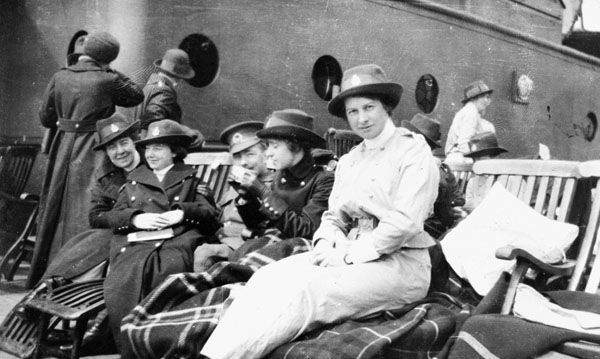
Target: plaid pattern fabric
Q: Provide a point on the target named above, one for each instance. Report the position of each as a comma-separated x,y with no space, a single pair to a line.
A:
177,318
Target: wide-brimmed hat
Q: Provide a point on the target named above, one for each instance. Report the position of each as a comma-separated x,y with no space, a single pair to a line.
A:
241,135
113,128
426,126
102,47
166,131
475,89
176,62
365,80
484,144
294,124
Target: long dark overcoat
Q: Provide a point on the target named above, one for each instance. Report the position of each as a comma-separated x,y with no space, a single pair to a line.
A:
77,96
136,268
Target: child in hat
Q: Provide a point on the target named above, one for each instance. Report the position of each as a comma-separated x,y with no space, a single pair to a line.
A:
157,196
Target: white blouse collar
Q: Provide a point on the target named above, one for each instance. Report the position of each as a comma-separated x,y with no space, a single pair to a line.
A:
386,134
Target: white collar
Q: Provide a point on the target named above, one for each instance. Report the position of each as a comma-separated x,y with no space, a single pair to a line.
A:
161,173
386,134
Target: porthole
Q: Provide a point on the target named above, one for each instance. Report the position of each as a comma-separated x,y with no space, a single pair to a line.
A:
204,59
589,126
75,48
426,93
327,77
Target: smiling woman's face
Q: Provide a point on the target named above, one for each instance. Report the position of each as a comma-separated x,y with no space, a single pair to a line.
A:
158,156
367,117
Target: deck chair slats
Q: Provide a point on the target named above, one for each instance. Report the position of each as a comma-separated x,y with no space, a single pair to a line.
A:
513,184
542,190
503,179
213,169
554,197
591,237
568,194
341,141
527,191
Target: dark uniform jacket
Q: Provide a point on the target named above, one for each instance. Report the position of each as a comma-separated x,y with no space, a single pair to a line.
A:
136,268
299,194
92,247
449,196
160,101
77,96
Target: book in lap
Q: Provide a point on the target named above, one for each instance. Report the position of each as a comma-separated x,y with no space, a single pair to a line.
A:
143,236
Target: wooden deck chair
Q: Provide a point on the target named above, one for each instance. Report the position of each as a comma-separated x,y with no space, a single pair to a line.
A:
584,273
17,210
462,172
341,142
78,302
549,187
213,169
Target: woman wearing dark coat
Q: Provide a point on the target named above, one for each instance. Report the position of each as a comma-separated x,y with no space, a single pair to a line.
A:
160,196
75,99
292,206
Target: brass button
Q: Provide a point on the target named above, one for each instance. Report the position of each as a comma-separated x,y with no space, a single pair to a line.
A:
176,198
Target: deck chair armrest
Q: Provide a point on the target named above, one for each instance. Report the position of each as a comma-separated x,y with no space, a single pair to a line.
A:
521,255
579,349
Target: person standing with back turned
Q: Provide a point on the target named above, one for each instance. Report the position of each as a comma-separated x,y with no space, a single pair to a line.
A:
75,99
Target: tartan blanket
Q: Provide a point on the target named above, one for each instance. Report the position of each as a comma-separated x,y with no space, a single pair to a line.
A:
177,318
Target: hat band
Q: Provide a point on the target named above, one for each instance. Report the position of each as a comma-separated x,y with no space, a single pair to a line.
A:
360,80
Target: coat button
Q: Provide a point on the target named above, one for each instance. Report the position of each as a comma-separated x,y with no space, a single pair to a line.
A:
176,198
132,198
302,184
283,180
57,123
133,183
76,125
157,244
122,249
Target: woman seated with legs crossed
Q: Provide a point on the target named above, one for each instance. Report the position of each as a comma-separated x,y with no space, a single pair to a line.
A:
370,250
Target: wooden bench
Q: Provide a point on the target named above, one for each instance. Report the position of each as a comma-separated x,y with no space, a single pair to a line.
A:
78,302
341,142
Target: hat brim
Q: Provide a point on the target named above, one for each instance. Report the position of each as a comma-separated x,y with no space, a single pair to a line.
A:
293,132
432,143
243,145
230,129
472,97
117,135
486,152
181,140
390,90
188,75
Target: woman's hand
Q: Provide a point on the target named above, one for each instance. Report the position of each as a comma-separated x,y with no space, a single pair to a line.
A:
173,217
325,255
150,221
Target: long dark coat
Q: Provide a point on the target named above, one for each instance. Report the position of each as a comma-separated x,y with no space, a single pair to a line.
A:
303,193
160,101
136,268
82,93
90,248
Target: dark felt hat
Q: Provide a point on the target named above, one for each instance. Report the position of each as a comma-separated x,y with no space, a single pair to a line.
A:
176,62
484,144
293,124
113,128
102,47
428,127
166,131
475,89
241,135
365,80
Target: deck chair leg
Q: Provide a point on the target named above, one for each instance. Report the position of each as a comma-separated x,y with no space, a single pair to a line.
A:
78,332
42,333
4,264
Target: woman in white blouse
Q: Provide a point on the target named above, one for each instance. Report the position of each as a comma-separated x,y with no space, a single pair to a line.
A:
369,251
